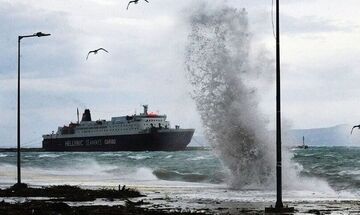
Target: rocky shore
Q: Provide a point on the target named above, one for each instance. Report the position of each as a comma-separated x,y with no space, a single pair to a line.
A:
65,199
74,200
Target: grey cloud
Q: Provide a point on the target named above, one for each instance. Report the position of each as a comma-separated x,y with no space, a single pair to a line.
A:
44,57
310,25
144,64
261,24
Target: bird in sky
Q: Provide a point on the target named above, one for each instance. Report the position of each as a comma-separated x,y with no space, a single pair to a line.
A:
96,51
355,126
134,1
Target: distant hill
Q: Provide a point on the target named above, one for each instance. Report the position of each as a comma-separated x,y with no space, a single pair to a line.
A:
338,135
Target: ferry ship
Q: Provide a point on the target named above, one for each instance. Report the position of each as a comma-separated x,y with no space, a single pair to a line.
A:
138,132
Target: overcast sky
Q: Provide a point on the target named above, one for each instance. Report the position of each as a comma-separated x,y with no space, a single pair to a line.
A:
320,56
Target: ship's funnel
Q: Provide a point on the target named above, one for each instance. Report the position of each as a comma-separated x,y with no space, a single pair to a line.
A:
86,116
145,109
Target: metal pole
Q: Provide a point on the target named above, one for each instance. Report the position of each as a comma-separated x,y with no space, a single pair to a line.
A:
279,207
279,203
18,117
19,185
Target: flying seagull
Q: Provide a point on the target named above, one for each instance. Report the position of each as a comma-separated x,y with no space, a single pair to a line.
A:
355,126
95,52
134,1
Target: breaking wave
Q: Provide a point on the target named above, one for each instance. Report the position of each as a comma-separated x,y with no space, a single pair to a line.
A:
222,72
49,155
177,176
138,157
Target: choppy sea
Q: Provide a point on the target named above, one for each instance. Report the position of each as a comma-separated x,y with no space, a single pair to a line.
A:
338,167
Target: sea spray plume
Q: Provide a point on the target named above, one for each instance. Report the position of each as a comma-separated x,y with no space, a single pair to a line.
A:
217,61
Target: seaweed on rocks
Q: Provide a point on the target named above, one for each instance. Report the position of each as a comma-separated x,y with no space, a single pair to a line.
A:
71,193
37,207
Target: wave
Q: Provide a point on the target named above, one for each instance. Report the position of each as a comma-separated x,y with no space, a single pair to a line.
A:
227,76
143,173
169,175
349,172
342,172
3,155
111,155
87,172
198,158
49,156
138,157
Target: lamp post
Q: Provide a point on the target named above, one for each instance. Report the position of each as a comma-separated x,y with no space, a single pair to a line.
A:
279,207
19,184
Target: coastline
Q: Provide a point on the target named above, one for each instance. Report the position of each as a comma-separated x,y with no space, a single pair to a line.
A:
180,187
175,200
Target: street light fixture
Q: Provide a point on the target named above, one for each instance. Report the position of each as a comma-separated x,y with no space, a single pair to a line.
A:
20,185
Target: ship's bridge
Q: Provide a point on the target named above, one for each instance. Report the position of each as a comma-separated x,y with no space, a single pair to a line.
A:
119,119
118,125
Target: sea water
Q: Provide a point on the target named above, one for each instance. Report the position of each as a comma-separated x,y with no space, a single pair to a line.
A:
339,167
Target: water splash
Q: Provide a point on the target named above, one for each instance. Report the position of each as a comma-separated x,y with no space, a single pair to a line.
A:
224,74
